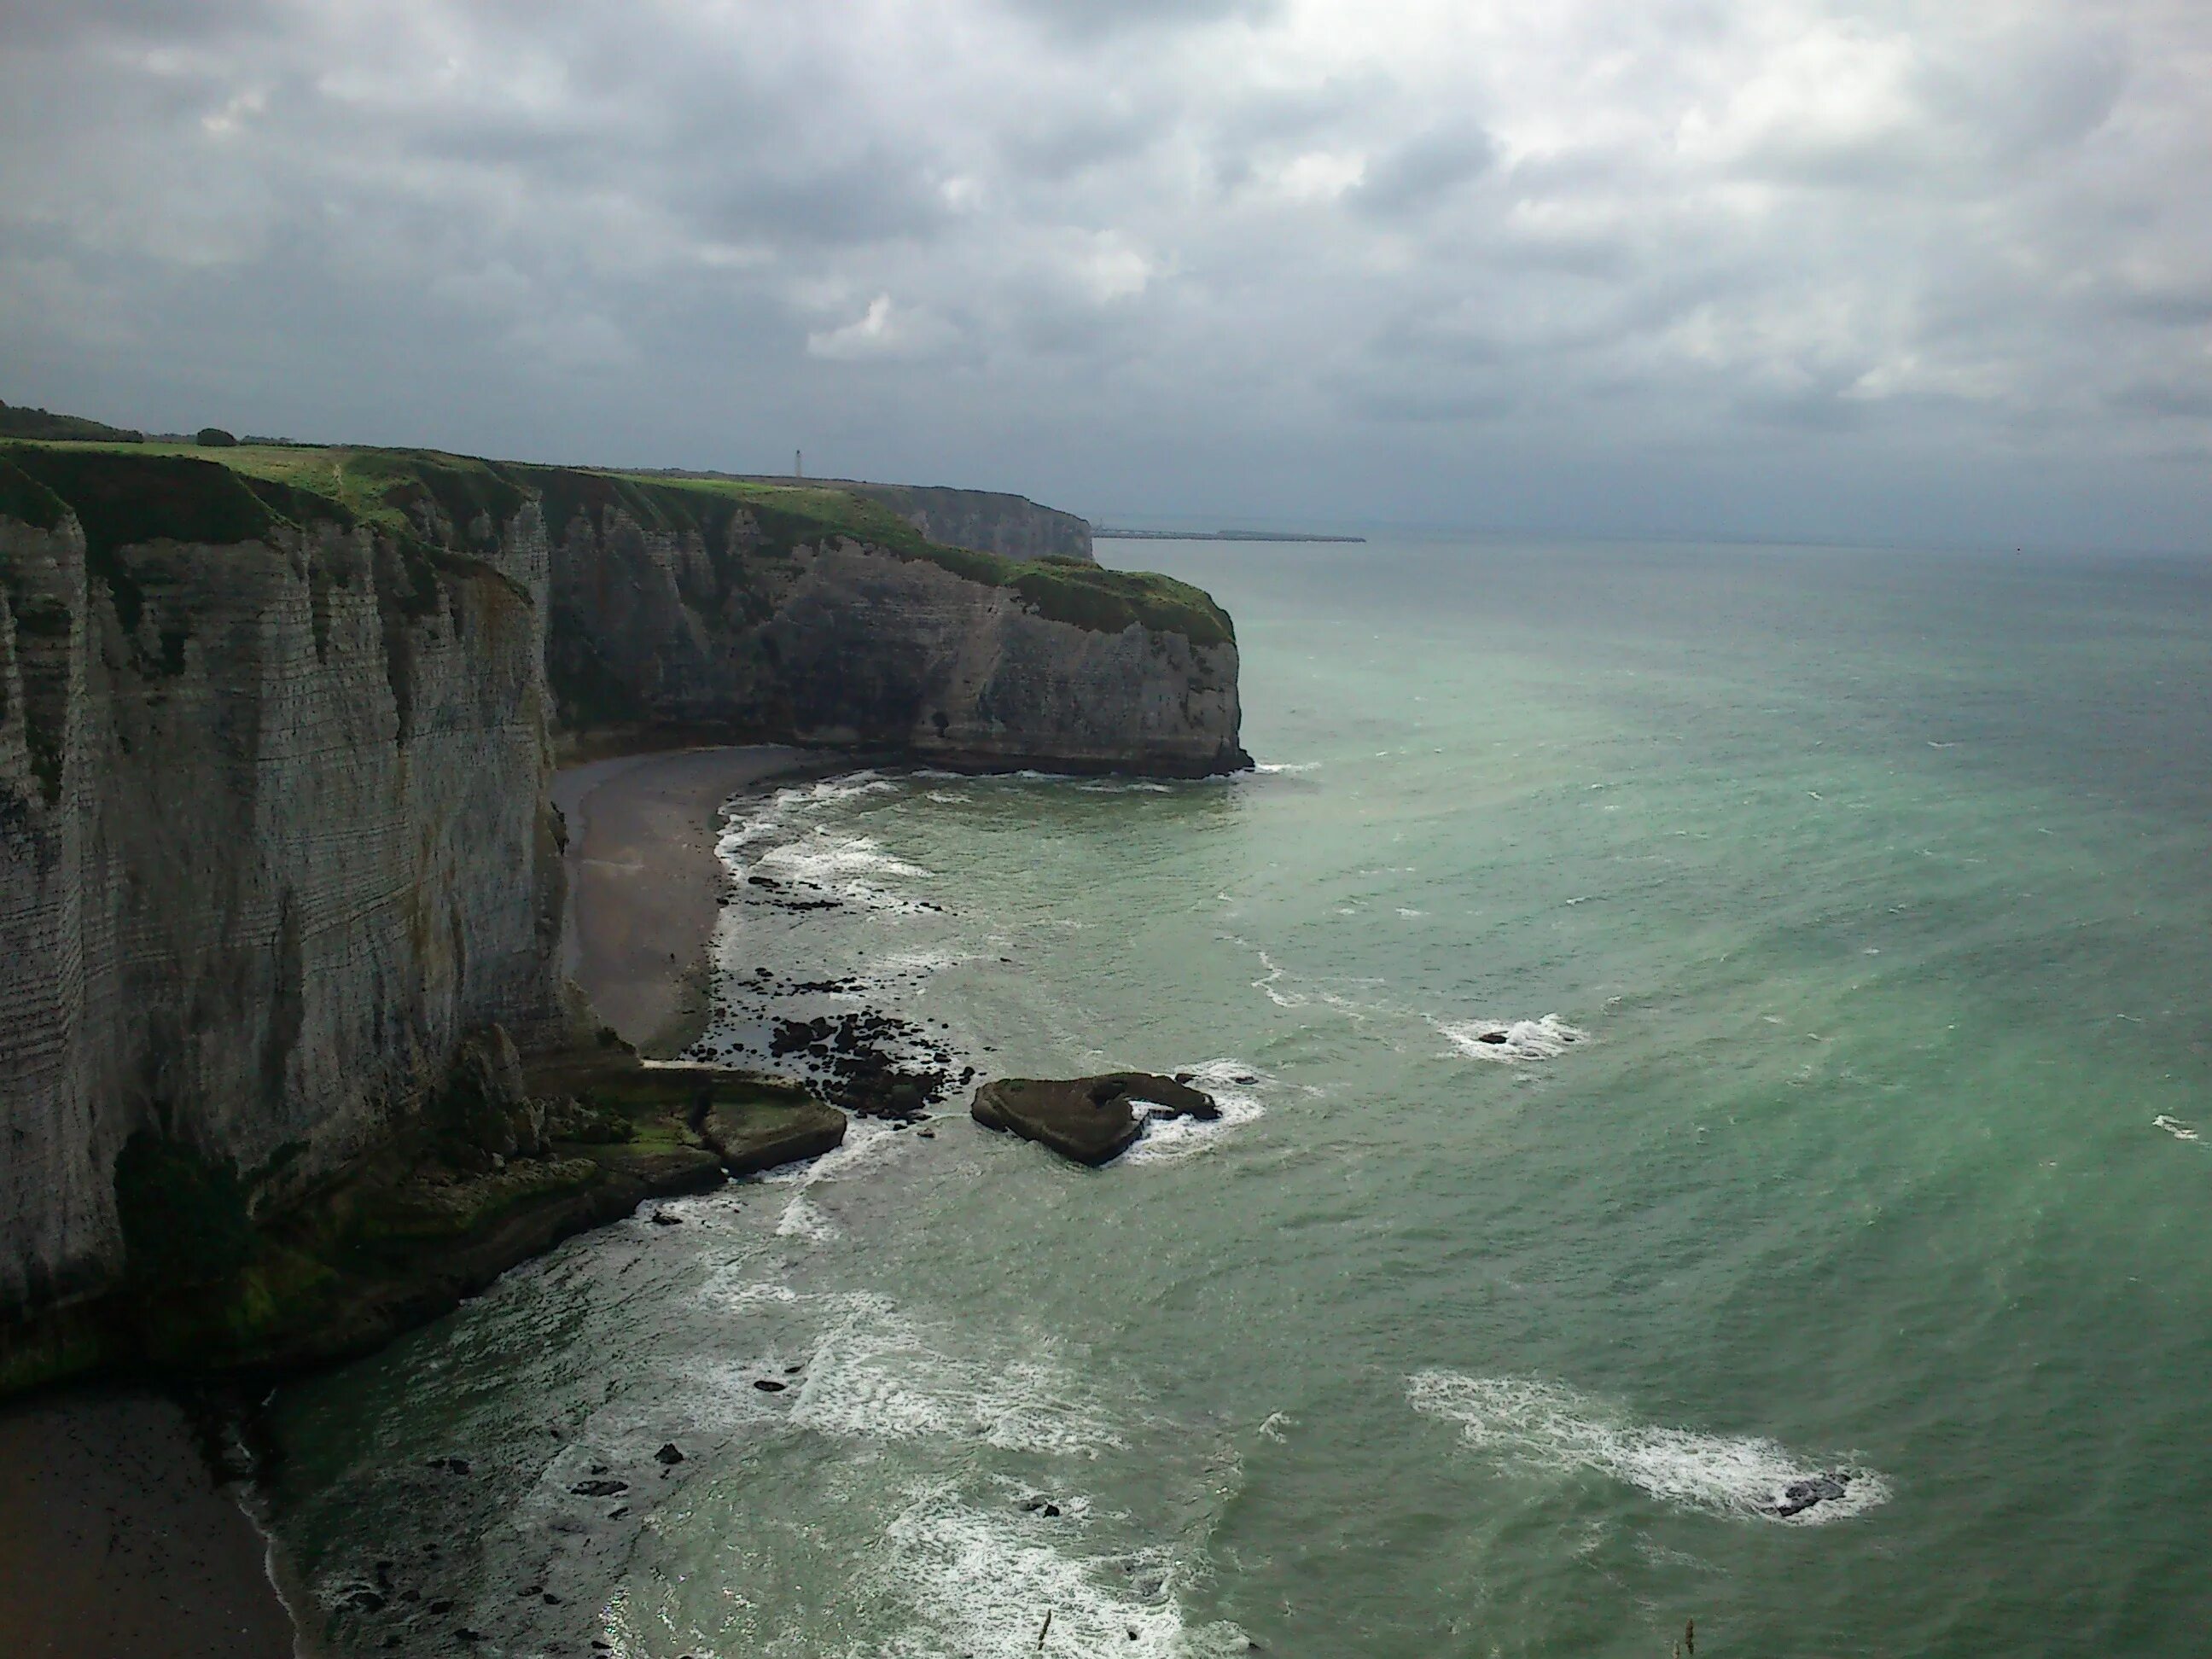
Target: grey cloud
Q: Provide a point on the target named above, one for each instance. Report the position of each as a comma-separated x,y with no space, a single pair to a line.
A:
44,23
2164,399
1091,18
1418,175
1126,253
1070,142
866,198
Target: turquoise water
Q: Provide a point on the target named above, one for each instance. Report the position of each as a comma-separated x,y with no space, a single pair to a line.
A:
1846,915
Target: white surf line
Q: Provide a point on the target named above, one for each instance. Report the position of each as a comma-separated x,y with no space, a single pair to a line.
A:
1547,1425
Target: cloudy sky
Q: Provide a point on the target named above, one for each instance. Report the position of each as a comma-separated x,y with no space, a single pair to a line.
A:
1924,271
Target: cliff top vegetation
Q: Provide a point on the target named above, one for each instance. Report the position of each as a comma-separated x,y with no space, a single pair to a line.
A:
126,491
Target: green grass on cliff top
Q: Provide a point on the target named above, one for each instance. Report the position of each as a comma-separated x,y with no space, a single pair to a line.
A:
138,491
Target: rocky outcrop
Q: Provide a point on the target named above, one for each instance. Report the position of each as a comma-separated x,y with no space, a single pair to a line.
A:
273,836
1090,1119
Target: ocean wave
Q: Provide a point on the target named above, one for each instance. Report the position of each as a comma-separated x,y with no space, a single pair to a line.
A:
980,1581
1276,768
1169,1139
824,859
1548,1426
2176,1127
866,1142
1512,1041
874,1375
801,1220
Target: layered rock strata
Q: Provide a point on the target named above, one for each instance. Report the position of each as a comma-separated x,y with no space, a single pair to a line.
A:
273,836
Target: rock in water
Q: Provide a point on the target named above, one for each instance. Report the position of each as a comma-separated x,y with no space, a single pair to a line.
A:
1091,1120
1800,1495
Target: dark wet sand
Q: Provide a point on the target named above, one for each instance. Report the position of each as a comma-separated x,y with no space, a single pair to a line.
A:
643,881
116,1543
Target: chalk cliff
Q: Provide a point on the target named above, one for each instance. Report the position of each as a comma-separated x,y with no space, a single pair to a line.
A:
743,619
1011,526
275,738
273,835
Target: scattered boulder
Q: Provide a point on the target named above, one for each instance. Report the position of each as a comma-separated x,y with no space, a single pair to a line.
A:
596,1489
769,1385
1091,1120
667,1455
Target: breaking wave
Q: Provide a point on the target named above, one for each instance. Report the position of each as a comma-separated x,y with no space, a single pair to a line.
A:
992,1584
1545,1426
1231,1082
1512,1041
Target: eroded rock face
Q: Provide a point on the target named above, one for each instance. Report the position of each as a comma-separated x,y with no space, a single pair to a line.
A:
273,835
845,644
1091,1120
1012,525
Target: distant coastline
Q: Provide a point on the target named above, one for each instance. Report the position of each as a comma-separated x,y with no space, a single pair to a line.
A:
1103,533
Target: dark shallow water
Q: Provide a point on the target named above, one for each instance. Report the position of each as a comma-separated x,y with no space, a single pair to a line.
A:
1847,915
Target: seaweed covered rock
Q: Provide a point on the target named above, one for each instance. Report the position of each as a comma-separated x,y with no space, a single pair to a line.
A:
1091,1120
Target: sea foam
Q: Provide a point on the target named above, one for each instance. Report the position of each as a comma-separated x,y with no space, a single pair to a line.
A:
1231,1082
1545,1426
980,1582
1512,1041
874,1373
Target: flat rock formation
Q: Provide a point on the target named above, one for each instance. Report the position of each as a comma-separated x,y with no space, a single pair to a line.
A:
756,1122
1091,1120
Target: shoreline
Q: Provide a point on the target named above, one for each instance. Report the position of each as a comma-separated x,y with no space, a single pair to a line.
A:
121,1536
645,885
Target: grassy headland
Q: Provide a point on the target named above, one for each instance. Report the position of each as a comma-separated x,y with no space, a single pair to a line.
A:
126,492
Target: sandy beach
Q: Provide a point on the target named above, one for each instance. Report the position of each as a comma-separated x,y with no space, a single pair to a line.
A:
117,1543
643,881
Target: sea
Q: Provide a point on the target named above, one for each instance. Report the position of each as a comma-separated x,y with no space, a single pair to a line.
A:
1715,1053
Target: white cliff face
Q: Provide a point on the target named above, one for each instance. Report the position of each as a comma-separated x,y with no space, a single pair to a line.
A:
875,648
848,644
267,848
